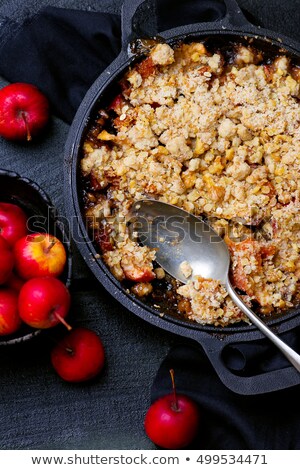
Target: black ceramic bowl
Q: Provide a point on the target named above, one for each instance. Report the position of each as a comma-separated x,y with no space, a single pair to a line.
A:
42,217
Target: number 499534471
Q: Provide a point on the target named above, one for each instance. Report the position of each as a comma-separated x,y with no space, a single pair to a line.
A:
223,459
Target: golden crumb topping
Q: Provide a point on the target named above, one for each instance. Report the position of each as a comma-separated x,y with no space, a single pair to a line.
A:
218,139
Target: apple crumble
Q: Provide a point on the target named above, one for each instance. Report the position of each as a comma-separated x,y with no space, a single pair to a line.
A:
219,136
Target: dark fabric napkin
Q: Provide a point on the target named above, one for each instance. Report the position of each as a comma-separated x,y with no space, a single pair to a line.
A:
63,52
60,51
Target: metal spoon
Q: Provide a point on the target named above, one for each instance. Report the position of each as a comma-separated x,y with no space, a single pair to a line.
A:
180,236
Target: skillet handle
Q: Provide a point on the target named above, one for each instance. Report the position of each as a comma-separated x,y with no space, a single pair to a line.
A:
266,382
129,9
233,18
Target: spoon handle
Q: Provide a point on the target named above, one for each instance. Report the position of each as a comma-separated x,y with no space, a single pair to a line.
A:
289,353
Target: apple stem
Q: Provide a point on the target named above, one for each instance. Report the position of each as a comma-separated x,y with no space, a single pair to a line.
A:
27,126
69,350
63,321
52,243
176,407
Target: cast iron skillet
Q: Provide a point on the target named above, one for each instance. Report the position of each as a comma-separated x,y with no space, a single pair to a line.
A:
233,26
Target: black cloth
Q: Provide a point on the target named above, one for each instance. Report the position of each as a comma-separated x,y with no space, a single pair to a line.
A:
60,51
63,52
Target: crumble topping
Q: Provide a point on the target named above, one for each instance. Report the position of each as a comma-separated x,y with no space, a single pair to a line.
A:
218,139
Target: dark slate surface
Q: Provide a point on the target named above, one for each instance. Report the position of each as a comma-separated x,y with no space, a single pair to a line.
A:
38,410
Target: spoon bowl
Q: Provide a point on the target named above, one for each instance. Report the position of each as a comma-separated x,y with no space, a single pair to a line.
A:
181,237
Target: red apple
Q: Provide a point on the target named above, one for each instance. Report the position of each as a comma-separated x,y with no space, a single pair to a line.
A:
24,111
39,255
10,320
44,302
6,260
13,222
79,356
172,421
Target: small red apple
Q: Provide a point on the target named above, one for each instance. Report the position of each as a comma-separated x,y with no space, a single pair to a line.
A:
6,260
172,421
79,356
39,255
24,111
10,320
44,302
13,222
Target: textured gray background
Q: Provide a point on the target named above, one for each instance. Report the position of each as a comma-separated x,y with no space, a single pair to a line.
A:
38,410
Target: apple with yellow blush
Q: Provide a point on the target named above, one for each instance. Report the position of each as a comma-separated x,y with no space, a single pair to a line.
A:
39,255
